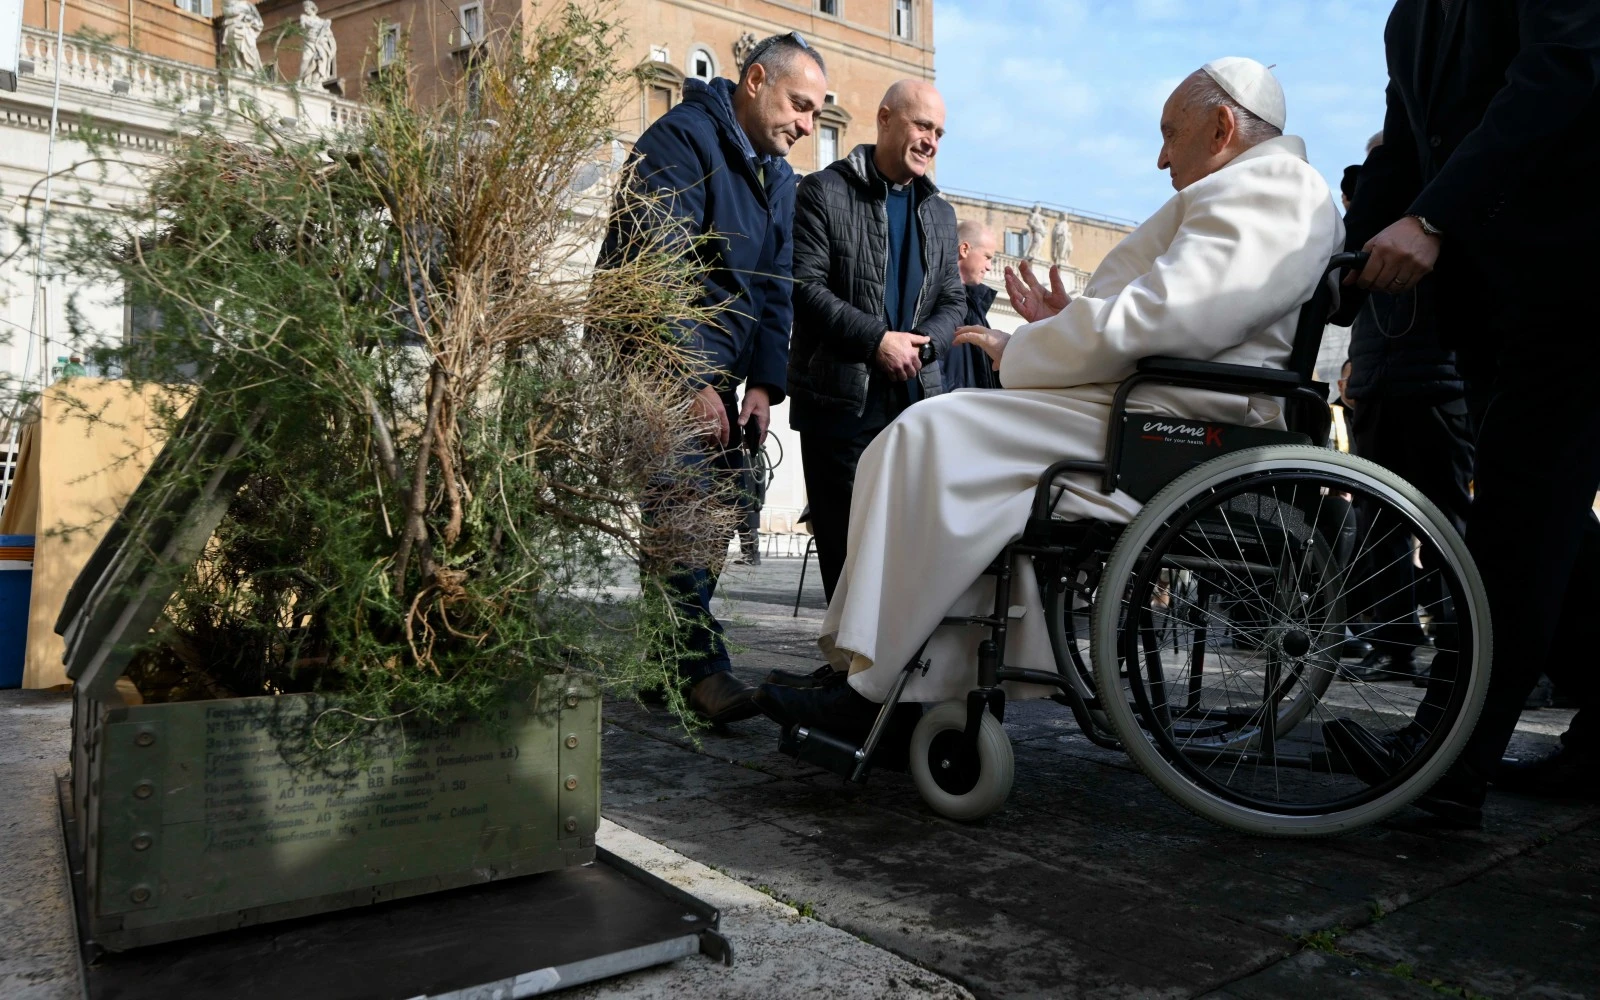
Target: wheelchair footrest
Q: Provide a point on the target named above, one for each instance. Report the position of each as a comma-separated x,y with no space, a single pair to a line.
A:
822,749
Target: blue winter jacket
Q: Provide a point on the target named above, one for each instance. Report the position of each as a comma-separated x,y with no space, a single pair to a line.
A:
695,160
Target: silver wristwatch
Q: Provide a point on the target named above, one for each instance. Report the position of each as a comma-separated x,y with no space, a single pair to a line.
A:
1427,227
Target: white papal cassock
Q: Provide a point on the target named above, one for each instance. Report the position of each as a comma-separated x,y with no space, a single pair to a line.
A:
1219,273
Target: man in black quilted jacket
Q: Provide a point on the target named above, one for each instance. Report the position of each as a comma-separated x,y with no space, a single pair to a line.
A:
877,300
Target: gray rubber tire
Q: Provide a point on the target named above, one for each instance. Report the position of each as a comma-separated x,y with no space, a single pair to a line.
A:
1123,563
996,766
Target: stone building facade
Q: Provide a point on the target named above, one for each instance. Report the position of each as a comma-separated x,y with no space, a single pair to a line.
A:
134,95
181,32
868,44
1088,239
438,43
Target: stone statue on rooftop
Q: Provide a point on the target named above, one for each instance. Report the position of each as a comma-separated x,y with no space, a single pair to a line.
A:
318,48
241,28
1038,233
1061,243
742,47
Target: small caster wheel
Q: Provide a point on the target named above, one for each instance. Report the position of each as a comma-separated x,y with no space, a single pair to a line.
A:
956,782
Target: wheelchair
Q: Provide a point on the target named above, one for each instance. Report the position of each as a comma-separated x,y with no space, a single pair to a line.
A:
1201,638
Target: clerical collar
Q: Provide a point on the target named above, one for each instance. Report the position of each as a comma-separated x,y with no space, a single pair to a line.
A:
897,188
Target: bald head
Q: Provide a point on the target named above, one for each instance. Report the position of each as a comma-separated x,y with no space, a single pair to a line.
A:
910,126
975,248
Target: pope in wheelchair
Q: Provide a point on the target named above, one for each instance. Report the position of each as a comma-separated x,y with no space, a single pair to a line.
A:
987,526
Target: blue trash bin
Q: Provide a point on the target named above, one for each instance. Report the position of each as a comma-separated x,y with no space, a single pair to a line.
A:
16,586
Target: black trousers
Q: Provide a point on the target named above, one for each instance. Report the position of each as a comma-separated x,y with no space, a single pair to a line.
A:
1531,529
830,474
1430,446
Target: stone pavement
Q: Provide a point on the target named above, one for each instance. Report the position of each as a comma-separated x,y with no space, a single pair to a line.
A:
1091,883
776,946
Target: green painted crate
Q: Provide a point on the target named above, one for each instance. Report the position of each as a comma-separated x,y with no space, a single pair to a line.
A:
188,820
184,818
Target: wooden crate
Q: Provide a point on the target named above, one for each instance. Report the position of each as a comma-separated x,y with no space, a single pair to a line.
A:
188,819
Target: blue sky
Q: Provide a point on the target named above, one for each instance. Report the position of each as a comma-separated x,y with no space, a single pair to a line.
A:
1059,100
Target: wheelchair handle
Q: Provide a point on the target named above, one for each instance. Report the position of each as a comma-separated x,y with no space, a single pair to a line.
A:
1354,260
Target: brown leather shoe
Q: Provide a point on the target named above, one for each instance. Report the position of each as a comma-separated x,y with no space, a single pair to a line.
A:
721,698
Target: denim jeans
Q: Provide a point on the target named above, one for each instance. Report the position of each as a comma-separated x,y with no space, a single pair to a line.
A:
702,650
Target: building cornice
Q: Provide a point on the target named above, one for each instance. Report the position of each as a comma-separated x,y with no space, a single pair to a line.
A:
999,203
137,100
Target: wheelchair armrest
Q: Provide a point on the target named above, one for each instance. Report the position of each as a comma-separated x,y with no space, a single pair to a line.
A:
1235,378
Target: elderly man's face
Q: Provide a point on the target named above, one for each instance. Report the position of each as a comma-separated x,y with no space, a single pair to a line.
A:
784,104
1192,139
975,255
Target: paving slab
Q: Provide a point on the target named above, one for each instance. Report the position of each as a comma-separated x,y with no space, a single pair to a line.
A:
1528,928
38,950
1324,976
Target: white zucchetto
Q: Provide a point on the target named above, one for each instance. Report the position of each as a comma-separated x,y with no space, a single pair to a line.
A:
1252,85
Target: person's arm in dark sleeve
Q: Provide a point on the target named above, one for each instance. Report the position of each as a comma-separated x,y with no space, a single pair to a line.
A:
1388,182
949,309
664,212
1550,86
770,365
850,333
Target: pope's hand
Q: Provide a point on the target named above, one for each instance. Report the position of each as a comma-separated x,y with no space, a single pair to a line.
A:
993,342
897,354
1402,255
1029,298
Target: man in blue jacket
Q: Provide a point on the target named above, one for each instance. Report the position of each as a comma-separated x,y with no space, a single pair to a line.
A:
716,164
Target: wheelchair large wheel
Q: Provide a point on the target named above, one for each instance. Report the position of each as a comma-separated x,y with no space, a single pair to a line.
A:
955,780
1289,543
1183,619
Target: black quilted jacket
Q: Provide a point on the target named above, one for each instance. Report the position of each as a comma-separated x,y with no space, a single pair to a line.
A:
841,252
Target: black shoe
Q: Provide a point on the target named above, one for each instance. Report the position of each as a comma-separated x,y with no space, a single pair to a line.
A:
1373,759
1542,695
1379,665
1353,649
1565,774
839,711
823,676
834,708
721,698
1454,800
